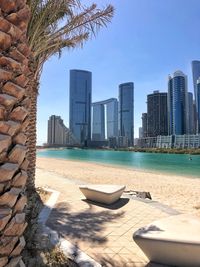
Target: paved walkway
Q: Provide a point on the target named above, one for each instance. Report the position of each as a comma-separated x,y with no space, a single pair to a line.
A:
105,234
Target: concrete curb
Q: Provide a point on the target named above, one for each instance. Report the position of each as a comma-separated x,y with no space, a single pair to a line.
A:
70,250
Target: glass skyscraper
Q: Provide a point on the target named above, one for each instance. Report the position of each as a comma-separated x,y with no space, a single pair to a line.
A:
177,104
126,111
80,105
198,105
157,114
195,75
104,119
191,125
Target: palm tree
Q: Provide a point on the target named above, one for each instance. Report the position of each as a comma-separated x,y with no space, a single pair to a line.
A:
55,25
14,18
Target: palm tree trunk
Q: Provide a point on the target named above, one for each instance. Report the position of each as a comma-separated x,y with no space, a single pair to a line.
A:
32,138
14,53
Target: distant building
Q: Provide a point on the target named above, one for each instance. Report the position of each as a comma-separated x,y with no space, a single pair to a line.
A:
195,117
58,133
80,105
191,126
126,111
195,75
123,141
198,105
157,114
144,124
177,104
98,122
140,132
104,119
113,142
171,141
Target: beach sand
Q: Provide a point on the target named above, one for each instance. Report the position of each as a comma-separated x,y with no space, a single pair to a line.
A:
178,192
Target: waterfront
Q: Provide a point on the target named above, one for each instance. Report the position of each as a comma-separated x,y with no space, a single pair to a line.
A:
177,164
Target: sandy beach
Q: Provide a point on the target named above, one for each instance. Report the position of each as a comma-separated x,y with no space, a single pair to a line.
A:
178,192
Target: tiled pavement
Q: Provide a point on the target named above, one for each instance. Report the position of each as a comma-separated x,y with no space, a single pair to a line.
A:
104,233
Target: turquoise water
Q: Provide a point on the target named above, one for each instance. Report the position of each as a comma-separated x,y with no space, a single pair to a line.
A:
165,163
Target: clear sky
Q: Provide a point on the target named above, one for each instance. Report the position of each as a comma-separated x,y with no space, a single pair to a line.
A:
146,41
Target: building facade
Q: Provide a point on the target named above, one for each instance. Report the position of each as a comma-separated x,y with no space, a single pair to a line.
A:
144,124
104,119
80,105
191,125
171,141
58,133
195,75
126,111
157,122
140,132
98,122
198,106
178,115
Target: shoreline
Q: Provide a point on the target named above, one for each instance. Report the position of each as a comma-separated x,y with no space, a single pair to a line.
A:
181,193
150,171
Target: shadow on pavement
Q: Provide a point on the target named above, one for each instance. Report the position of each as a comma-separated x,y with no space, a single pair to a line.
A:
81,226
117,205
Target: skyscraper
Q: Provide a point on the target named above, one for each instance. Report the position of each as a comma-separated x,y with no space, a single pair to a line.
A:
191,128
195,75
58,133
198,105
157,114
177,104
104,119
144,124
98,121
140,132
126,111
80,105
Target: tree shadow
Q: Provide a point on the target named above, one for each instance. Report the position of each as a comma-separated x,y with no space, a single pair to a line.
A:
82,226
116,205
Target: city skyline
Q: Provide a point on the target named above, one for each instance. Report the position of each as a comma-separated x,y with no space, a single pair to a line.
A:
142,54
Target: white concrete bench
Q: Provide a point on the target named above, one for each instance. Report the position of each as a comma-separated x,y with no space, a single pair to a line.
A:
173,241
102,193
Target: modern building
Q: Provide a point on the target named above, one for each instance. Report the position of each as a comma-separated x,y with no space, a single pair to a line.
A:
171,141
178,104
144,124
58,133
157,122
191,125
195,116
80,105
195,75
198,105
140,132
98,122
126,111
104,119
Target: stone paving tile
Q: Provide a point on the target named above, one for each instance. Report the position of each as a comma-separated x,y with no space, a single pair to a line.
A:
105,234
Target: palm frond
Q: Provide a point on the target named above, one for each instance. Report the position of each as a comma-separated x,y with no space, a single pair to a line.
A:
60,24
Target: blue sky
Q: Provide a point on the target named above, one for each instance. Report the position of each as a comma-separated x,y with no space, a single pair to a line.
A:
146,41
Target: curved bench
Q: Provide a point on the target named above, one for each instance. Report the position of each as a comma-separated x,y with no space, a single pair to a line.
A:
173,241
102,193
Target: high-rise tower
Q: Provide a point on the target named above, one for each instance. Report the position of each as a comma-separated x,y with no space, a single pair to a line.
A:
80,105
126,111
104,119
157,114
198,105
144,124
178,117
195,75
